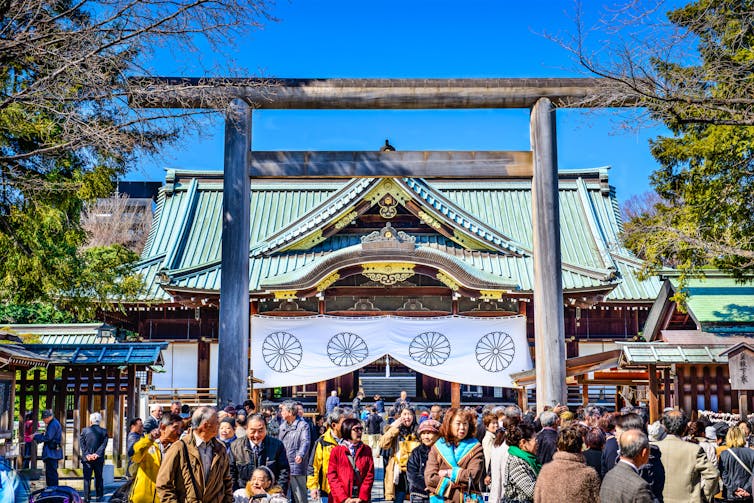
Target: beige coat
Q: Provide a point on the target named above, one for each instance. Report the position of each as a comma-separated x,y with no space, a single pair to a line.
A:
689,475
400,452
174,480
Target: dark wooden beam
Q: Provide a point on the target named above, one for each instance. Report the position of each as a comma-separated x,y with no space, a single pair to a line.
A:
359,94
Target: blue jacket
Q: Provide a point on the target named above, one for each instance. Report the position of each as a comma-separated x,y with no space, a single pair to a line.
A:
295,438
52,437
331,403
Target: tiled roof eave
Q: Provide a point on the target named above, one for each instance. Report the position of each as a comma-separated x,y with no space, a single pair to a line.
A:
329,209
448,209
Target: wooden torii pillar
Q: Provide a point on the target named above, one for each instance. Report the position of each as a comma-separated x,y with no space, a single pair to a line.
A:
538,95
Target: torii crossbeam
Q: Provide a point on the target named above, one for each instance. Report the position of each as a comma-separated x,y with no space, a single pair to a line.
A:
240,96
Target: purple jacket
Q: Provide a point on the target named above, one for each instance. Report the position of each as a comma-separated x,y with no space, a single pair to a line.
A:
295,438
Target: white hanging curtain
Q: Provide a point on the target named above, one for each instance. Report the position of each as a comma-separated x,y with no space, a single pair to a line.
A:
478,351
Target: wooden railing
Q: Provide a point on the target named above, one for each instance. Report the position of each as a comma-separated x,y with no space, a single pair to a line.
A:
195,396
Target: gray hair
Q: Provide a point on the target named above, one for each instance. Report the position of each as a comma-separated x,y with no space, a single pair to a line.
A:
170,418
512,411
155,407
201,415
548,418
95,418
290,406
632,442
336,415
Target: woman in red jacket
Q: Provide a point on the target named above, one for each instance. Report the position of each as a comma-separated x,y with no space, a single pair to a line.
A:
351,469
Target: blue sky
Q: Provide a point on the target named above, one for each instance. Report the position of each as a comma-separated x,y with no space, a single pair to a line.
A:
433,39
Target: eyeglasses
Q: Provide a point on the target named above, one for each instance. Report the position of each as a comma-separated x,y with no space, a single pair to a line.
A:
358,428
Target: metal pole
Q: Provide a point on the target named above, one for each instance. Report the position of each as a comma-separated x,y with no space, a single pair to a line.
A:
234,287
549,331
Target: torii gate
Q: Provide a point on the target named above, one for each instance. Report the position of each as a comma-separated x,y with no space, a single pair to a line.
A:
541,96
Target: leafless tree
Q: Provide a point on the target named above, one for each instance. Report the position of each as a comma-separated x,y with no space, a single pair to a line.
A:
65,67
117,220
647,60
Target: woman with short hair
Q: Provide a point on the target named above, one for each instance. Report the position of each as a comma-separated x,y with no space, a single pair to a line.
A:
522,466
455,466
350,471
595,441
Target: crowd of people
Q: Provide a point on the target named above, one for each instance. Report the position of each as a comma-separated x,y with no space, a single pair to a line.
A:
460,455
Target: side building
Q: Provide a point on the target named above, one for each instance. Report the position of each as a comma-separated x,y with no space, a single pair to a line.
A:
371,247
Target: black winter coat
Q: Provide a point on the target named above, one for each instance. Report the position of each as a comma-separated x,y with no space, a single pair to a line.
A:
272,455
417,461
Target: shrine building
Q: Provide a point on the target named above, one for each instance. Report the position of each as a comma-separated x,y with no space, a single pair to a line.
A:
391,256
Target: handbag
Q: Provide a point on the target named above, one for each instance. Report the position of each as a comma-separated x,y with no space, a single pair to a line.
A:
471,496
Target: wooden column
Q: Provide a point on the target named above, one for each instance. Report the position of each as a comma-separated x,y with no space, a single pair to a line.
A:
118,419
743,404
455,394
678,388
133,393
523,398
76,457
22,414
234,281
666,388
654,394
321,396
707,387
584,395
549,329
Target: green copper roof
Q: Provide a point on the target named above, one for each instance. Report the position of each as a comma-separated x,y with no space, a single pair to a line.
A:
183,249
719,299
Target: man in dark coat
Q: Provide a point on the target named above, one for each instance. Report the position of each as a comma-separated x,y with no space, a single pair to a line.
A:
258,449
547,439
623,484
52,452
92,443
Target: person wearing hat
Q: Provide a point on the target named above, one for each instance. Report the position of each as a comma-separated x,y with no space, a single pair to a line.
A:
52,451
429,432
92,443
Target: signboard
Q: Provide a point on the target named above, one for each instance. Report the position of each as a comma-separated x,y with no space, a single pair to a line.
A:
741,367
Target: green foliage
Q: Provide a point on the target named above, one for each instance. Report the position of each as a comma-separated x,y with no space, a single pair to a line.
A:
33,313
705,214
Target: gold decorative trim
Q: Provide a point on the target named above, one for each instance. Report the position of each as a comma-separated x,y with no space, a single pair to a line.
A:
429,220
345,220
491,294
385,187
285,294
308,242
388,206
447,281
329,280
388,273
